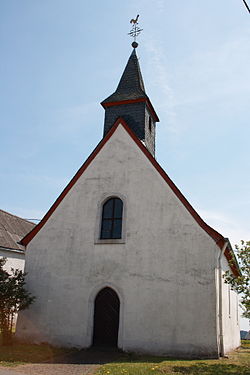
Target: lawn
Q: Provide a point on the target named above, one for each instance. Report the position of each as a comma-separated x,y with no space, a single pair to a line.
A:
238,363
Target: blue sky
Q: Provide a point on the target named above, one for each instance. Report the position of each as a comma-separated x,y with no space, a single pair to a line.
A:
60,59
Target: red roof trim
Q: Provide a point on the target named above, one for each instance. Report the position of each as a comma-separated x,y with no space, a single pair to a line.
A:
100,145
151,108
217,237
231,262
131,101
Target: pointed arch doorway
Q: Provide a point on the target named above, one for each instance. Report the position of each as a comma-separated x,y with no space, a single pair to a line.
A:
106,318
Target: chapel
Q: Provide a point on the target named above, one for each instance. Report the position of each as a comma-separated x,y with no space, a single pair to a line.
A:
122,259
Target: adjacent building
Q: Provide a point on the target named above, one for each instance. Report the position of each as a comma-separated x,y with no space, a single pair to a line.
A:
12,230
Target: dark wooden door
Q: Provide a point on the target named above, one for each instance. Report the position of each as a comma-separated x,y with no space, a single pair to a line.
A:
106,318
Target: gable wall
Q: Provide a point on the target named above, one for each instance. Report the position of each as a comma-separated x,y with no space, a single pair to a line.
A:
164,273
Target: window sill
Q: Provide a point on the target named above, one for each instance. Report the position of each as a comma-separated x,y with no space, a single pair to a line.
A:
109,241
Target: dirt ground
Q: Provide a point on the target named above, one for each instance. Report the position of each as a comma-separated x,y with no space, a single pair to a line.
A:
80,363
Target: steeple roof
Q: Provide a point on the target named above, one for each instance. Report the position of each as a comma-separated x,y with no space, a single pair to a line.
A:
130,88
131,84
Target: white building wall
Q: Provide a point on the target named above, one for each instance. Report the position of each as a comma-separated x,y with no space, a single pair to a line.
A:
15,259
163,272
230,314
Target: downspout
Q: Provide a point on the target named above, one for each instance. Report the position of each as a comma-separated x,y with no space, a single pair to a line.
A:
221,331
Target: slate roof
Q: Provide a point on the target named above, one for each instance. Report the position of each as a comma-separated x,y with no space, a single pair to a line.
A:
12,230
131,84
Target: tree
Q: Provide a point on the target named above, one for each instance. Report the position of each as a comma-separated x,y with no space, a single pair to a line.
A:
241,283
13,298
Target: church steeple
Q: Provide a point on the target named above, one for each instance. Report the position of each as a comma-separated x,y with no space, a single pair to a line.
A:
131,84
131,102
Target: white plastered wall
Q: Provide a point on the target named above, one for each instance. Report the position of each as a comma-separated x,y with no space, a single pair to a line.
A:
15,259
230,313
163,273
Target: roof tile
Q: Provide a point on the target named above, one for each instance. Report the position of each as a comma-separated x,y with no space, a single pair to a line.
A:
12,230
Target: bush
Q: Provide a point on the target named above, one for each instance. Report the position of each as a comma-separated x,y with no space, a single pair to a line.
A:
13,298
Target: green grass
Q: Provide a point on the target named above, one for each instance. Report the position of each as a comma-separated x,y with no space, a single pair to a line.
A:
245,344
238,363
18,354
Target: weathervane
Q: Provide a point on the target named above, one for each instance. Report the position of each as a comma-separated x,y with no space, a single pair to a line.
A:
135,31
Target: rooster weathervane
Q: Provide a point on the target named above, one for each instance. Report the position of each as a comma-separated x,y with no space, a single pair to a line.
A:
135,31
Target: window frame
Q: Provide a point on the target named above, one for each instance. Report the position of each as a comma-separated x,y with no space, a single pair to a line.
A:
105,198
112,219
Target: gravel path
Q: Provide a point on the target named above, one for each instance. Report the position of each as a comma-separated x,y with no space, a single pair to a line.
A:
50,369
81,363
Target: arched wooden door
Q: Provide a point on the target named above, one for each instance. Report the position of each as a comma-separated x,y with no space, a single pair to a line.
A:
106,318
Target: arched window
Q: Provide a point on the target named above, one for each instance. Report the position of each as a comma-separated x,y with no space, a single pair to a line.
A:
111,227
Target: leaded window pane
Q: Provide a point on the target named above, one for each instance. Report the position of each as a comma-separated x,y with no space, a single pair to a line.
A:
111,227
117,228
118,209
107,225
108,209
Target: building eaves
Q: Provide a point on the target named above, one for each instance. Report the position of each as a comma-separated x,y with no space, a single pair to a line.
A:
16,251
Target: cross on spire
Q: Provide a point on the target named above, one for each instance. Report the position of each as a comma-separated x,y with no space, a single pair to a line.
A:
135,31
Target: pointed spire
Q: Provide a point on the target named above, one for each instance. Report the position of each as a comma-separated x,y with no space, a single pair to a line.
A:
131,84
131,103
